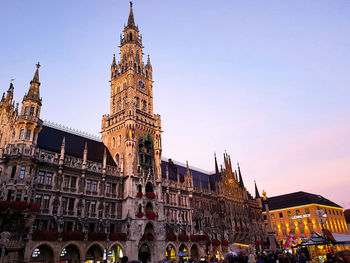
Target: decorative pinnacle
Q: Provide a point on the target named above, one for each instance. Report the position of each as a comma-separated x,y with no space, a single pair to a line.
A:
36,75
131,21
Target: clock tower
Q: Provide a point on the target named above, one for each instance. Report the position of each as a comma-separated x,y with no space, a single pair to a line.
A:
131,132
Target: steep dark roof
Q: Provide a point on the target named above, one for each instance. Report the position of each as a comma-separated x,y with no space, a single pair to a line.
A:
297,199
51,139
196,174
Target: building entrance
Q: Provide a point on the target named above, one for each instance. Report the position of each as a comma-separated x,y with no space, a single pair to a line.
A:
144,253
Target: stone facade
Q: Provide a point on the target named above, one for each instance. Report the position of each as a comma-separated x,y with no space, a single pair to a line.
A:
69,197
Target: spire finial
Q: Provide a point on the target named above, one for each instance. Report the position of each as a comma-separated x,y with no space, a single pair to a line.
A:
36,75
114,63
257,195
131,21
216,165
241,184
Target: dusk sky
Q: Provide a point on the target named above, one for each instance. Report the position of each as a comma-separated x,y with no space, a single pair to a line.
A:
267,81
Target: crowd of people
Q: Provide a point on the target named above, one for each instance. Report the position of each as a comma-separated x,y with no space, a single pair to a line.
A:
339,257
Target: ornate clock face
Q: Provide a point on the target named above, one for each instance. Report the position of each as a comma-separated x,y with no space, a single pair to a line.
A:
141,85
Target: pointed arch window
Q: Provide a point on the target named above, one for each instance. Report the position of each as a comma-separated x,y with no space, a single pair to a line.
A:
137,102
119,140
130,36
117,159
31,111
26,110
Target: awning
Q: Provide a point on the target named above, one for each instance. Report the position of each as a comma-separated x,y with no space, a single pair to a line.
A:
341,238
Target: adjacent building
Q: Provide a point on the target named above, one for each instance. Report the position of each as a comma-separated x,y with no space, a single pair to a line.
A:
303,213
67,196
347,217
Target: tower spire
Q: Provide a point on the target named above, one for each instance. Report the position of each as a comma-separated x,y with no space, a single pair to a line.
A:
36,75
33,93
241,184
131,20
114,63
216,165
257,195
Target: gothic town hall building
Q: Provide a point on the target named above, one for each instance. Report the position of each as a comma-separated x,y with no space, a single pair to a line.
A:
69,197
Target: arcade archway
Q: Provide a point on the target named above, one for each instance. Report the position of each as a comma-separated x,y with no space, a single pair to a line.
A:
183,252
144,253
94,254
115,254
42,254
170,252
194,252
70,254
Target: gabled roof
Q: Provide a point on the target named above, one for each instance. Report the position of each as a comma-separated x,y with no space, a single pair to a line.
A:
196,173
51,139
297,199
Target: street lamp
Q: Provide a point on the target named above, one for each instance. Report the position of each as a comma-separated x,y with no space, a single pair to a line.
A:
4,239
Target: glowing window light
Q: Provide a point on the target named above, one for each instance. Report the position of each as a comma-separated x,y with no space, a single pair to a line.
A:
36,253
64,252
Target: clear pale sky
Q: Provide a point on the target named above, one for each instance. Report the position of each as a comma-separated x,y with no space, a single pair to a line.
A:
267,81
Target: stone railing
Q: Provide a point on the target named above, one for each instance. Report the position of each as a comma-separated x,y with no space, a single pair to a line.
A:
46,156
23,149
29,118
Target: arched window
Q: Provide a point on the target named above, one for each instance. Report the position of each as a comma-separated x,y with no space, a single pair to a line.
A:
113,142
149,207
137,102
118,88
144,105
117,159
124,102
130,36
140,209
119,140
149,188
124,85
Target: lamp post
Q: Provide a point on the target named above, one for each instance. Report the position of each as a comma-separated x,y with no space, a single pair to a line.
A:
271,233
4,239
